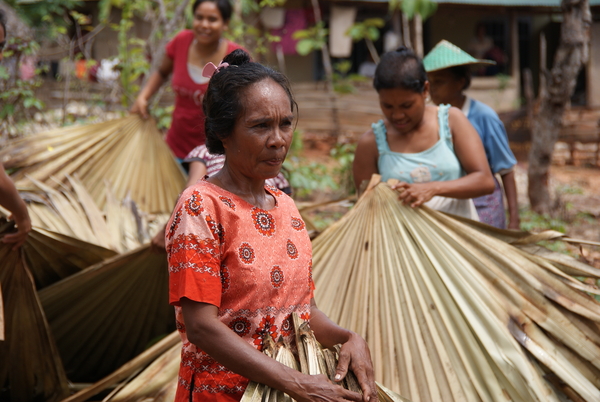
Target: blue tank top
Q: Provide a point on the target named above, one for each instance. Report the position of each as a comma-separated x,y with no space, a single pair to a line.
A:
438,163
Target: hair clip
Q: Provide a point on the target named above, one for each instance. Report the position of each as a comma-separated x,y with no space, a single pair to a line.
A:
210,69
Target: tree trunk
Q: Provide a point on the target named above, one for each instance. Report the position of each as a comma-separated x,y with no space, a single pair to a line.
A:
167,27
571,54
328,74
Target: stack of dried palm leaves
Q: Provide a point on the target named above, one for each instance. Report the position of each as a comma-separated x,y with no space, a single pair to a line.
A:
84,320
312,359
129,153
74,308
452,311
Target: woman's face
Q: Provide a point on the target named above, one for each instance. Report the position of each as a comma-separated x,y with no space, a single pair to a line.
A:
208,23
262,134
445,87
403,108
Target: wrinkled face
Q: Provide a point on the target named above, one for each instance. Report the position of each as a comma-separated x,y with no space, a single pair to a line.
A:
2,41
208,23
403,108
444,86
263,133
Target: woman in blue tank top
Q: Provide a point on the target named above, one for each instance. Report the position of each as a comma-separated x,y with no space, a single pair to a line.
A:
434,151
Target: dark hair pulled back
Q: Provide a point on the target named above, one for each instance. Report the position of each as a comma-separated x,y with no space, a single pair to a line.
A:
222,103
224,7
400,68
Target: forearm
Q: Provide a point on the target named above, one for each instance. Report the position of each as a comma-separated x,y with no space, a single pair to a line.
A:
206,331
155,81
472,185
510,189
11,200
326,331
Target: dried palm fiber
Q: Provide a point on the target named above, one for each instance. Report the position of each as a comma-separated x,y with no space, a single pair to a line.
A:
135,382
51,256
70,210
311,358
30,367
445,308
128,152
107,314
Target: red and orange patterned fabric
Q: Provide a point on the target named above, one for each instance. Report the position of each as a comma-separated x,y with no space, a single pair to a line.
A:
254,265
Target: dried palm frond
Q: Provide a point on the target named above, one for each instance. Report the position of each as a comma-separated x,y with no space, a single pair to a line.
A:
448,310
72,212
128,152
53,256
157,382
312,359
30,367
107,314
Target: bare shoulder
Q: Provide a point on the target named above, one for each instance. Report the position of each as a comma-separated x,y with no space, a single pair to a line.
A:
367,140
456,115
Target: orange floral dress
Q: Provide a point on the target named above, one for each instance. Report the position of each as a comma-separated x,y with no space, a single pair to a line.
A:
254,265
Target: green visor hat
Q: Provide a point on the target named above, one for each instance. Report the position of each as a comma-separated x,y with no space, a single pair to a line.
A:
446,55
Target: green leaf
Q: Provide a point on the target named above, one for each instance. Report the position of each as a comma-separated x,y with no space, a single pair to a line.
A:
7,110
409,8
301,34
373,33
426,8
305,46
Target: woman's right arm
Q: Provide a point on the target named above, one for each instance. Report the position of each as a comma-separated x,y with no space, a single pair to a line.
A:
156,80
365,159
11,200
206,331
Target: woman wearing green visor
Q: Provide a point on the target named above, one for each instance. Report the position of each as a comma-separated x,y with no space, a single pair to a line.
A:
449,75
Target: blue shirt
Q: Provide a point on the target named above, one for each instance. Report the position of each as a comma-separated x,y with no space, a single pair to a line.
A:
493,135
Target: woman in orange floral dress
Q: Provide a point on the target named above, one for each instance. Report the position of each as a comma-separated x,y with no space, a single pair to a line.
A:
240,257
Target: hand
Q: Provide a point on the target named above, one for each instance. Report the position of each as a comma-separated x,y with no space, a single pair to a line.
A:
356,355
18,238
514,224
157,245
415,194
140,106
319,388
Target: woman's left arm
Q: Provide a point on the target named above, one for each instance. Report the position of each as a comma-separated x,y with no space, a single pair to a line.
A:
354,353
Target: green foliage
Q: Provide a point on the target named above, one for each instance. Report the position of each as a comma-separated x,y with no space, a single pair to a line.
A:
163,116
503,81
343,82
311,39
425,8
367,29
132,60
567,189
343,154
305,178
50,16
17,96
531,221
240,31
